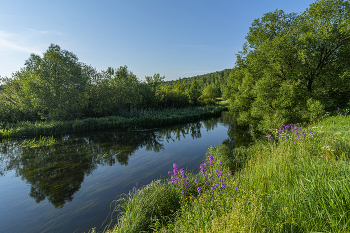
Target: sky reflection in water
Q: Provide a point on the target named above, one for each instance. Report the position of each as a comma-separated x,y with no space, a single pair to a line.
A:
69,187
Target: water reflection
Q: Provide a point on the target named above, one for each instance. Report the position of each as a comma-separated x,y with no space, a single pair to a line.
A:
237,135
56,172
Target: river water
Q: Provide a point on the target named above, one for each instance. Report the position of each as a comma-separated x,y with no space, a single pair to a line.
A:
72,185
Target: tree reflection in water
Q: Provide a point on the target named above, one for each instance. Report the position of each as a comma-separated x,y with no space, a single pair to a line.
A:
56,172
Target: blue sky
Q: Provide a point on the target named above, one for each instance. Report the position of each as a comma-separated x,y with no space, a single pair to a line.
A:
174,38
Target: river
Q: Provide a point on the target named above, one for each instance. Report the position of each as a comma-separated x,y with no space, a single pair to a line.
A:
72,185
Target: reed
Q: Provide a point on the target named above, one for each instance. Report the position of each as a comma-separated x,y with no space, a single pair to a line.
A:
43,141
136,119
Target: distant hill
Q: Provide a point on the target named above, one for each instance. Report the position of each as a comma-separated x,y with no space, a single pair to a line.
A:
218,78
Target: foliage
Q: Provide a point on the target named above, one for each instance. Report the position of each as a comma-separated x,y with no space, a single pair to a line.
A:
217,79
293,66
57,86
15,105
172,97
195,92
54,84
209,95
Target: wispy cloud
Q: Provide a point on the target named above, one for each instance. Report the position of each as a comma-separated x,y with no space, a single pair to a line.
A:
7,42
46,32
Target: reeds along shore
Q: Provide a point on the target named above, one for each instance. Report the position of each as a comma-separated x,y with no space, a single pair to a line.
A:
296,180
130,120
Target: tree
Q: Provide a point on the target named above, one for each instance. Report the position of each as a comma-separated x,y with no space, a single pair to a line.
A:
210,93
55,84
293,66
126,88
154,81
195,92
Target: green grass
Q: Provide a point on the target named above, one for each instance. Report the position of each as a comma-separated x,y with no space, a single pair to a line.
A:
43,141
293,186
144,209
133,120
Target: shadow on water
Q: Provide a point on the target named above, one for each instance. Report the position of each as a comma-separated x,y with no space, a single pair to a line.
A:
55,173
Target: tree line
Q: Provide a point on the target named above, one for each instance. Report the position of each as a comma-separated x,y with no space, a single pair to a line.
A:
202,89
293,67
57,86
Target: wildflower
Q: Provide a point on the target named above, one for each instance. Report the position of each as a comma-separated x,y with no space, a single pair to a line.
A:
229,175
220,173
175,168
200,192
236,188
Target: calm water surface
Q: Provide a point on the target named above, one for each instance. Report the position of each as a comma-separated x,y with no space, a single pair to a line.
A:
71,186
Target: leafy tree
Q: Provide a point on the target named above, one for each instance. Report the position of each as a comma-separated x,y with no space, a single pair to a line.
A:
293,66
195,92
210,93
172,97
55,84
154,81
126,91
100,100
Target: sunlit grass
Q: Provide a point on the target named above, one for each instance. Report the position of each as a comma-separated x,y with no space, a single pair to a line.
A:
300,184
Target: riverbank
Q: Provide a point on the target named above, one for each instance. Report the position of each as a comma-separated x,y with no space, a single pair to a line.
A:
294,181
135,120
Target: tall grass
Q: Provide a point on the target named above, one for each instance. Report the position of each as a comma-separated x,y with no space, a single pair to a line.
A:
128,120
287,186
298,184
144,209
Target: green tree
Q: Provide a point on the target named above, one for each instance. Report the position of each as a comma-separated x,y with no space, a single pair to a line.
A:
195,92
100,92
154,81
14,104
55,84
293,66
210,93
125,85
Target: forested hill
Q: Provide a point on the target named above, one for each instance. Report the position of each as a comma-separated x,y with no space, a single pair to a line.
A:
217,78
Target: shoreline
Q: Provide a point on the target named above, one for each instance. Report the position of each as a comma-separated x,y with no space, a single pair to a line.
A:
138,120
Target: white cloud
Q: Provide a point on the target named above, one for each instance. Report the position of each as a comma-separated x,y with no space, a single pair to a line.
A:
8,42
46,32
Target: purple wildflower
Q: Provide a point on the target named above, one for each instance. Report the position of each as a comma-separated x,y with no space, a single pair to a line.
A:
200,192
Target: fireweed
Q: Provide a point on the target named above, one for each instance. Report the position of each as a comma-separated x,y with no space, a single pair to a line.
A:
285,132
213,180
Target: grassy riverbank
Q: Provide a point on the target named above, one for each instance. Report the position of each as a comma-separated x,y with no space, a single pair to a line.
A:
294,181
125,120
